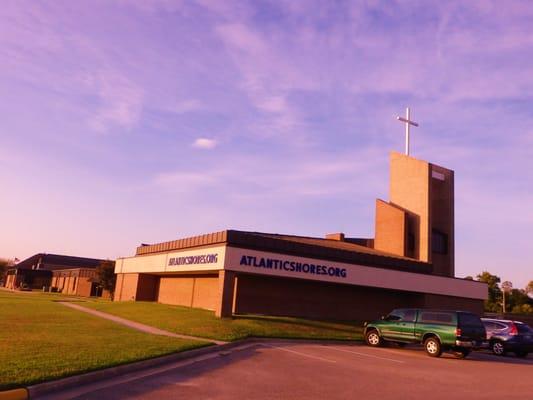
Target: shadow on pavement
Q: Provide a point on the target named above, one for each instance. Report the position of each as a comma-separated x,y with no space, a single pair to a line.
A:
155,385
478,355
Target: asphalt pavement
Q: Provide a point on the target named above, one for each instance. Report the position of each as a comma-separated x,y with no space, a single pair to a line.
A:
292,370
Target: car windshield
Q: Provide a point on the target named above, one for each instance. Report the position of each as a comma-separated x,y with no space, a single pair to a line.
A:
523,328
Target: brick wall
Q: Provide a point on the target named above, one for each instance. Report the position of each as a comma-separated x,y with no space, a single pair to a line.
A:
454,303
126,287
147,287
199,291
294,297
84,286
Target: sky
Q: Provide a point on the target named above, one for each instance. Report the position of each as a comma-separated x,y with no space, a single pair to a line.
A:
127,122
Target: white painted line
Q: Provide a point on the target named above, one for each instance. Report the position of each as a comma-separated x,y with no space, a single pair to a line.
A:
300,354
363,354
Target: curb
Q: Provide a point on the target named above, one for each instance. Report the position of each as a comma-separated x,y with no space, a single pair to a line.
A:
41,389
15,394
71,381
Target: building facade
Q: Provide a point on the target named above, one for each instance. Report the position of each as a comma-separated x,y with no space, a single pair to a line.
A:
65,274
78,282
409,263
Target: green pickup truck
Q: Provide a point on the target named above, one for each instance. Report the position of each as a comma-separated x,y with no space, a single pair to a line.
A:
437,330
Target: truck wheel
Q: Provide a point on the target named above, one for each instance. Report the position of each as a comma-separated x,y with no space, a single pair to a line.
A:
373,339
497,348
433,347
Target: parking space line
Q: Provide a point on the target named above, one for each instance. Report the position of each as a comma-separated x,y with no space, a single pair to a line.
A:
300,354
366,355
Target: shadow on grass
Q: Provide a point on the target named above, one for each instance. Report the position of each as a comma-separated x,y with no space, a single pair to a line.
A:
67,300
351,328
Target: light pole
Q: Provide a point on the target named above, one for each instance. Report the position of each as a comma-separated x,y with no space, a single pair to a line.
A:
506,287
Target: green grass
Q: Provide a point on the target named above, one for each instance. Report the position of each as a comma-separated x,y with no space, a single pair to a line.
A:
42,340
203,323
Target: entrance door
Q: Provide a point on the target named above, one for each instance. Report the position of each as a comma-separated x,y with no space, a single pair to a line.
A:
95,290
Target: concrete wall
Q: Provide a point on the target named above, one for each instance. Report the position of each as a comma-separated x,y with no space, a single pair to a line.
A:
409,189
161,262
426,191
391,229
249,262
442,217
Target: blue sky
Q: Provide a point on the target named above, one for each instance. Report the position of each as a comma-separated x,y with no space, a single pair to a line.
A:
142,121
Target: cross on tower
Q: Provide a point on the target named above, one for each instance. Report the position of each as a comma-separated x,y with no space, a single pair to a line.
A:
408,123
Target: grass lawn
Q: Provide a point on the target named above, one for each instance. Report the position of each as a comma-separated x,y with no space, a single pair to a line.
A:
203,323
42,340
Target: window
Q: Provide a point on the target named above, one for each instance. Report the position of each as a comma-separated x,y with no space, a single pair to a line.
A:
430,317
410,316
499,326
402,315
493,326
439,242
523,328
469,320
395,315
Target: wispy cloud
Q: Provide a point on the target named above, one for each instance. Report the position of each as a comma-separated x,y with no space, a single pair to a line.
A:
205,143
313,176
185,181
302,95
120,101
186,106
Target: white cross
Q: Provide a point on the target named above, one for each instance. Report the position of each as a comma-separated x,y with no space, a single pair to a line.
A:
408,123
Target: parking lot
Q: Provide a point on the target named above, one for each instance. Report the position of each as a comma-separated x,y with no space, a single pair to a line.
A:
289,370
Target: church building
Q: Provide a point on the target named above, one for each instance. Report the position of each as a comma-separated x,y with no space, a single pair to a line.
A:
409,262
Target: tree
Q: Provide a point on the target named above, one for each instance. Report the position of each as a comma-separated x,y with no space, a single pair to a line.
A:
492,304
517,298
105,276
4,264
529,287
523,309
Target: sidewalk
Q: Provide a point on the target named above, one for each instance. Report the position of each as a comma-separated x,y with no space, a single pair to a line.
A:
136,325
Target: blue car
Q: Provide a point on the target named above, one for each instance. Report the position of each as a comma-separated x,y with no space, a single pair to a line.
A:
508,336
